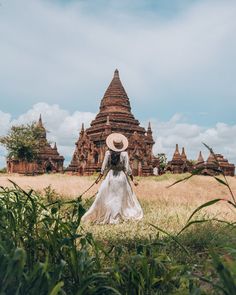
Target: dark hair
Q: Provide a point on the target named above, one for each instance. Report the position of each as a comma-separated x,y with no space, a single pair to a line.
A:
115,158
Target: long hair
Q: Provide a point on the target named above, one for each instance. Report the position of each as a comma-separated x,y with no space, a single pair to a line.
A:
115,158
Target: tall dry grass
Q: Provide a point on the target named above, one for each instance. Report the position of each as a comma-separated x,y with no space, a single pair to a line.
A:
166,207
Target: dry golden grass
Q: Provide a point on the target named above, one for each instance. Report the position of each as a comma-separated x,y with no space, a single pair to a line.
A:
165,207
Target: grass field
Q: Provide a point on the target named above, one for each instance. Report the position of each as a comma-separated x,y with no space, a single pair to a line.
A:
132,257
168,208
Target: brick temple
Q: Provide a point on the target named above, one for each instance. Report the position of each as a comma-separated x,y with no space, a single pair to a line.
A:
214,164
114,116
179,162
48,159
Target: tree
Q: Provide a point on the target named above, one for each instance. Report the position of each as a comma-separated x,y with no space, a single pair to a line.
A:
162,161
23,142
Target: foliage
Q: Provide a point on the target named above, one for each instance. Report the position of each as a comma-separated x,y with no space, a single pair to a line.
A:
42,239
3,170
23,142
44,250
162,161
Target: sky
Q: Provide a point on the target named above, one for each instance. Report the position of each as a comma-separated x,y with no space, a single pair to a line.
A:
176,58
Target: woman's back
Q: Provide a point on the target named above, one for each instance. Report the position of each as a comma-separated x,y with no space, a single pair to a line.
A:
116,161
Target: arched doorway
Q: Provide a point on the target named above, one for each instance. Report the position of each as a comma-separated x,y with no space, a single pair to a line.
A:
48,167
185,170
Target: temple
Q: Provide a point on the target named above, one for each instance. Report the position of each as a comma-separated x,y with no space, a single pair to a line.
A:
215,164
114,116
179,162
48,159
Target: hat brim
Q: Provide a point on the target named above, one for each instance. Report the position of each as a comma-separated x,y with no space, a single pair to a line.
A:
117,137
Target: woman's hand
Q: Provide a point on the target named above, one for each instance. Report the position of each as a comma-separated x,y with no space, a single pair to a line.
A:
135,182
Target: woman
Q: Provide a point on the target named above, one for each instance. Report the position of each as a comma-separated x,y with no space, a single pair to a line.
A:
115,200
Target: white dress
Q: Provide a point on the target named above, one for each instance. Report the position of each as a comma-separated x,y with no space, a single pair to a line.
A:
115,200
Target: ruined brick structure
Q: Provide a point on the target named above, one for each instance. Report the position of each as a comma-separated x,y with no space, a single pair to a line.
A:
114,116
48,159
179,162
214,164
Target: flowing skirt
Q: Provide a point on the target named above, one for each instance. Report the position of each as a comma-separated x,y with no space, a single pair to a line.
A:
114,202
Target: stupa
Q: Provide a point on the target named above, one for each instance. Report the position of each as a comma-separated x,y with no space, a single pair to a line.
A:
114,116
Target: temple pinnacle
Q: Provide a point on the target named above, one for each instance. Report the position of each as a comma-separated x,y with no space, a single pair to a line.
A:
40,123
116,73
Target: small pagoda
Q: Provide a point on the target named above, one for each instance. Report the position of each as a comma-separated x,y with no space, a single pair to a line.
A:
48,159
179,162
214,165
114,116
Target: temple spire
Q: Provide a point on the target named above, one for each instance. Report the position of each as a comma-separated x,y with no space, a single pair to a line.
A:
40,122
200,158
42,129
82,130
176,155
55,146
116,74
115,98
149,132
183,155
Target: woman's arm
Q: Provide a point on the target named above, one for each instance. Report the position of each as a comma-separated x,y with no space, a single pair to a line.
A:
104,166
134,181
128,169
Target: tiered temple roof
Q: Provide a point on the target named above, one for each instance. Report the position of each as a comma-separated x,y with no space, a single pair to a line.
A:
114,116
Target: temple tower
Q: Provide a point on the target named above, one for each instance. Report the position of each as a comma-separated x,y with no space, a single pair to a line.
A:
179,162
114,116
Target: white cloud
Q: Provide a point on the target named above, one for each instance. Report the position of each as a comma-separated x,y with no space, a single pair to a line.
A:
65,54
221,137
55,53
63,127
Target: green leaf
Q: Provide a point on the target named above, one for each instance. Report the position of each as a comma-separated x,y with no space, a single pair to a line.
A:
57,288
207,204
226,276
221,181
191,223
172,237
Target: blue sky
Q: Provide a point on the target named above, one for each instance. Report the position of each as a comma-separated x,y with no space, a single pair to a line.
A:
177,61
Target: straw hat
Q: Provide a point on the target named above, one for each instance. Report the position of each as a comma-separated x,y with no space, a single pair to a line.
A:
117,142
